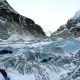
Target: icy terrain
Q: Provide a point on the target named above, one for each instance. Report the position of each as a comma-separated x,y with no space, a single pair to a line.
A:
26,53
51,60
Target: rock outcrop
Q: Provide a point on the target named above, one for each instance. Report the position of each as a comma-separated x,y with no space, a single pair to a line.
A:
70,29
12,24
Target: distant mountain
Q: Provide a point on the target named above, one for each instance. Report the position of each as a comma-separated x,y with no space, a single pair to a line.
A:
70,29
14,26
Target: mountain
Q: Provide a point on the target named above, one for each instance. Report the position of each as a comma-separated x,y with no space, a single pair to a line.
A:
37,60
70,29
14,26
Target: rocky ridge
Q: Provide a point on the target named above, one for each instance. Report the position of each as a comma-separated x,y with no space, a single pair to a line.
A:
70,29
12,24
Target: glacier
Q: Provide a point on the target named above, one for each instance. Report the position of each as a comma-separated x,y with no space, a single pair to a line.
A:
26,53
45,60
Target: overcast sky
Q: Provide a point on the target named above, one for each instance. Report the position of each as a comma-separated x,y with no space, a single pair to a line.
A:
50,14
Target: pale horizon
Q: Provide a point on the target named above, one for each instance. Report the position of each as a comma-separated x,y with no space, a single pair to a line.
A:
49,14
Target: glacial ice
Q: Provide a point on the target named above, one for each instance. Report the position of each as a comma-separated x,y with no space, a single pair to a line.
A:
39,60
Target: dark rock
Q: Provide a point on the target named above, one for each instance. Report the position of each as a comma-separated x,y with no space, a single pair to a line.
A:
5,52
3,72
75,31
12,22
71,23
60,28
45,60
70,29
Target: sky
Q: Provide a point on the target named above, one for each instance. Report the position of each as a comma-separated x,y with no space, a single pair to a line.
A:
49,14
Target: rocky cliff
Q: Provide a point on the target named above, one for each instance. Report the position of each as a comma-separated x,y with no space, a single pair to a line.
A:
15,26
70,29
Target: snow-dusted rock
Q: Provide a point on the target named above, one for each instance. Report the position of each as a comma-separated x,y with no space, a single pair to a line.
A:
12,23
70,29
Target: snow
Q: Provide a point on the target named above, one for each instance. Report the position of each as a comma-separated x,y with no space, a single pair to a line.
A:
21,77
2,21
1,77
78,24
52,75
15,76
16,37
40,44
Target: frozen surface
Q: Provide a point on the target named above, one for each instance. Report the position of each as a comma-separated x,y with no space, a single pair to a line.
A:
39,60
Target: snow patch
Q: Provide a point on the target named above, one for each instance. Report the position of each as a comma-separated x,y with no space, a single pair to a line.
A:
78,24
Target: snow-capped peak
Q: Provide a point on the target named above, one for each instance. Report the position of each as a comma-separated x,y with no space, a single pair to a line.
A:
77,15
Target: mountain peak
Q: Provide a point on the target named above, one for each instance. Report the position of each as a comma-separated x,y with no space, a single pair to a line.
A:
3,2
4,5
